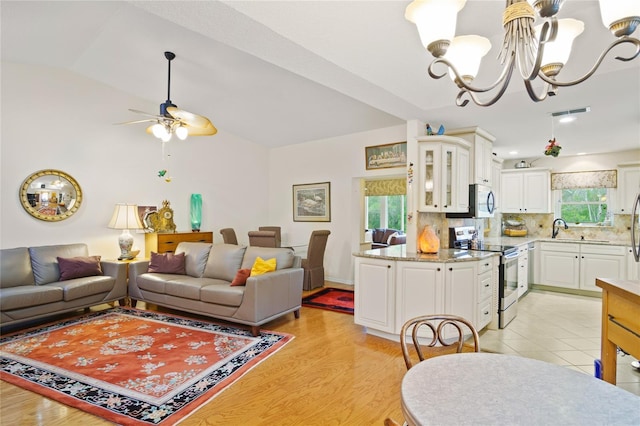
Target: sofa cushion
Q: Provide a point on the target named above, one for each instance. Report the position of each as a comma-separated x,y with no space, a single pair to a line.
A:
195,257
284,256
15,265
44,260
167,263
222,294
25,296
224,261
241,277
78,288
79,267
262,266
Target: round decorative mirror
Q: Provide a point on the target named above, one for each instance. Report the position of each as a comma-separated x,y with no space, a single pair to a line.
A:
50,195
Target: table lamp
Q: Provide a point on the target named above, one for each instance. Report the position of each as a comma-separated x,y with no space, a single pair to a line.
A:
125,217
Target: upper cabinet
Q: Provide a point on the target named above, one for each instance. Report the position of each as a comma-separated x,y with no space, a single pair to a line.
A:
444,164
628,187
482,153
496,183
525,191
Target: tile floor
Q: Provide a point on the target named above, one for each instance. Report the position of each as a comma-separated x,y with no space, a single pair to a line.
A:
561,329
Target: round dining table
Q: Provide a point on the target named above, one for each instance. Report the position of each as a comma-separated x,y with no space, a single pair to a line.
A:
497,389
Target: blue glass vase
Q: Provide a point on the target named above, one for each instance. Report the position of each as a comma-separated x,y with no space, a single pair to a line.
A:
196,212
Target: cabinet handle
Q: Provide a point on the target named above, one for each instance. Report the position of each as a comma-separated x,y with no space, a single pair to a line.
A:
576,257
388,266
486,264
486,312
438,269
451,269
486,285
435,205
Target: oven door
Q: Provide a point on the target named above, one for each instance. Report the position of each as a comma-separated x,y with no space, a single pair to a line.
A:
508,290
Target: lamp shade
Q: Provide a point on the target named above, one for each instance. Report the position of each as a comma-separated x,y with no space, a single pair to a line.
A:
558,51
435,19
465,53
615,10
125,216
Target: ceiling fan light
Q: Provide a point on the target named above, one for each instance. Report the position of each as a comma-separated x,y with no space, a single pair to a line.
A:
466,53
158,130
182,132
558,51
619,10
436,22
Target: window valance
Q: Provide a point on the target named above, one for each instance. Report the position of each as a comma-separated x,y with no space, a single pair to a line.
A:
593,179
380,187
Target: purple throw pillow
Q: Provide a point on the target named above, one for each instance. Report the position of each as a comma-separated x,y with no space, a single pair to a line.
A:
79,267
167,263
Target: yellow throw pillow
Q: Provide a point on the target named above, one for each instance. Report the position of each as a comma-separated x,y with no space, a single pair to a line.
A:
261,266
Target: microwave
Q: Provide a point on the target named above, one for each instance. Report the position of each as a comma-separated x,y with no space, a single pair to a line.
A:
482,203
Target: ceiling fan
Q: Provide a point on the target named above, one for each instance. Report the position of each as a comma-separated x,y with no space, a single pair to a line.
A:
174,120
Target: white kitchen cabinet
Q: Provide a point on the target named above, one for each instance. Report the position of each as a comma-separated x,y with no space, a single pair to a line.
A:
374,304
443,177
633,267
523,269
526,191
576,266
481,150
496,184
628,187
420,290
461,290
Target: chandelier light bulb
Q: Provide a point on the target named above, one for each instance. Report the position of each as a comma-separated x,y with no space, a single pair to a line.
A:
558,51
436,22
466,53
613,12
182,132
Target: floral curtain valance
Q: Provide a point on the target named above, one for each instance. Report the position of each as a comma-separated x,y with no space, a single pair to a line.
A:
594,179
385,187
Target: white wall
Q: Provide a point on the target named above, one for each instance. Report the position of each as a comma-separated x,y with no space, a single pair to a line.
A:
53,119
337,160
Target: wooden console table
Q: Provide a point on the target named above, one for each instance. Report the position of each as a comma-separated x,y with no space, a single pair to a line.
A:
167,243
620,322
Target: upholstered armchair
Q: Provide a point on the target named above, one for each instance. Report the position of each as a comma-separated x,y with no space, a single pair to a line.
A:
313,265
229,236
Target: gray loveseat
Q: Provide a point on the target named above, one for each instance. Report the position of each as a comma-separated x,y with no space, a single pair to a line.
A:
30,286
206,287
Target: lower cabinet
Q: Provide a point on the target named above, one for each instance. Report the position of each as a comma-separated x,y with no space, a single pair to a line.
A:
576,266
633,267
523,269
389,293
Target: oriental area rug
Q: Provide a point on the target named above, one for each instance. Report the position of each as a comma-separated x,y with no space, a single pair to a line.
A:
332,299
133,367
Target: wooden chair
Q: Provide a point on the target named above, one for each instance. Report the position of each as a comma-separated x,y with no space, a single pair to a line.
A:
438,335
229,236
275,229
313,265
262,238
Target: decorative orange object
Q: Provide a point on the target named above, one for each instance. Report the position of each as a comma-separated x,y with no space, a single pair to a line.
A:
428,241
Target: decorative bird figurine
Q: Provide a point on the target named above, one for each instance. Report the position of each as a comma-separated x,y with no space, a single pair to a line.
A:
429,130
441,130
161,173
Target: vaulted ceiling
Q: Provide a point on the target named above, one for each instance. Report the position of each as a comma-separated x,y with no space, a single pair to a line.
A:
286,72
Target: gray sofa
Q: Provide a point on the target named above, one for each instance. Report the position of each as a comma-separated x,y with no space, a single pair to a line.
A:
30,286
206,287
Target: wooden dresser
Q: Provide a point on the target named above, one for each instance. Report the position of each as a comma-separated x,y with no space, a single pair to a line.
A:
167,243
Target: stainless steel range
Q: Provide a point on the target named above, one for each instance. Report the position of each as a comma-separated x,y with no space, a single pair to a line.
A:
463,238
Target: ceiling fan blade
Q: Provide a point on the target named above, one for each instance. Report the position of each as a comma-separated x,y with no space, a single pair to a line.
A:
148,114
146,120
208,130
193,120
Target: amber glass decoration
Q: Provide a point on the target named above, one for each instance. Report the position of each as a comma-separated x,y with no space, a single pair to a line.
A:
428,241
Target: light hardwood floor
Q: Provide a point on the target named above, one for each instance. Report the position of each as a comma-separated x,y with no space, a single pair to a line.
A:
332,373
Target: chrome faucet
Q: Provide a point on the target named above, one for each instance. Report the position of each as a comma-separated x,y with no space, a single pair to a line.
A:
555,230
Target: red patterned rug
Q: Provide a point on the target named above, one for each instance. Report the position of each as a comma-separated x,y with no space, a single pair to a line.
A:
332,299
133,367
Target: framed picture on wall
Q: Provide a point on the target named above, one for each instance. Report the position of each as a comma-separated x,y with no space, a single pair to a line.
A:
312,202
386,156
143,213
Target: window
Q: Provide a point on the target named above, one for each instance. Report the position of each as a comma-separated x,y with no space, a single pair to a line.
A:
386,211
583,205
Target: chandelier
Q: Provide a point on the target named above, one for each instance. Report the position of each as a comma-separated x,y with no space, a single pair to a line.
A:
538,52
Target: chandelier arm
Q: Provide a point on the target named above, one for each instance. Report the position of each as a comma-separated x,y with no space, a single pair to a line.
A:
533,95
473,94
624,39
462,84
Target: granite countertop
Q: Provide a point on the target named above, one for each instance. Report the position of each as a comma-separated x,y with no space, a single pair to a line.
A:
399,252
516,241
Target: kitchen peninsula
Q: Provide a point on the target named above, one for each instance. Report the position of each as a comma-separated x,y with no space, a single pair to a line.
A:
393,285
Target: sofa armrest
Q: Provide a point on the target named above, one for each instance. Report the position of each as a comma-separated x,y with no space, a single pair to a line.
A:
398,239
117,270
136,268
270,294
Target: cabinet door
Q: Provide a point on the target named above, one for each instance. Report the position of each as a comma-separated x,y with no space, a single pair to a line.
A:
461,181
496,184
482,162
594,266
429,178
628,188
560,269
633,267
460,295
374,294
448,181
523,272
420,290
511,193
537,192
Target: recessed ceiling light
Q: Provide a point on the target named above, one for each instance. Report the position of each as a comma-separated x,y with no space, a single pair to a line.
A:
567,119
513,152
581,153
